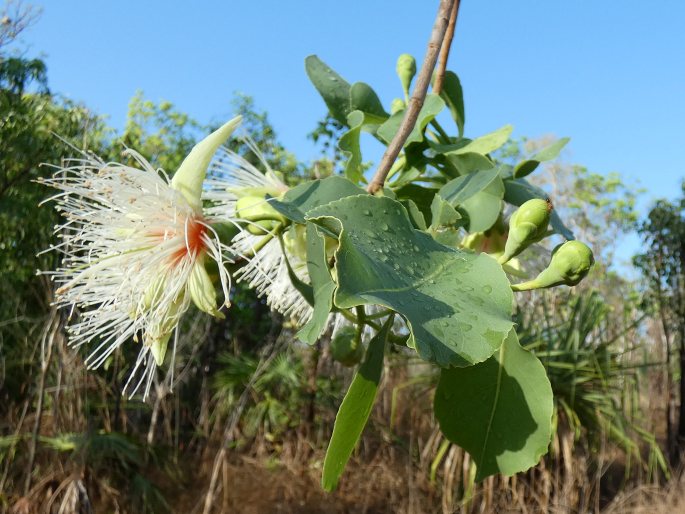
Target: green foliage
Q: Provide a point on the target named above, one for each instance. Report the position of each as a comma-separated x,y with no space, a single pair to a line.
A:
355,410
322,284
31,117
499,411
453,96
405,251
662,265
441,292
278,391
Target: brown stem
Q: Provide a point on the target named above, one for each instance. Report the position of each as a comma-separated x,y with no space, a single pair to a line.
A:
417,97
445,50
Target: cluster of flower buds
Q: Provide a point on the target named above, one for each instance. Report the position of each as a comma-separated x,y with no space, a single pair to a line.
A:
571,261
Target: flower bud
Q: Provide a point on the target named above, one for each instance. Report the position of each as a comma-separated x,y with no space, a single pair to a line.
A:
571,262
406,69
158,348
295,241
397,105
527,225
202,290
346,347
258,211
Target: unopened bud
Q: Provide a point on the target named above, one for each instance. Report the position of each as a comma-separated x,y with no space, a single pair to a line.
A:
346,347
202,290
406,69
571,262
527,225
262,217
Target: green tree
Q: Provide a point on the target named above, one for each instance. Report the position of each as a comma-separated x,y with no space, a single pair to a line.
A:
663,267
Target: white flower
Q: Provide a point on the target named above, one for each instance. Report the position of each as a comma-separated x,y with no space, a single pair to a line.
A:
134,247
232,178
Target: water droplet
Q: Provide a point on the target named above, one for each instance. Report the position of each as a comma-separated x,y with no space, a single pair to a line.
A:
487,289
385,227
367,212
465,327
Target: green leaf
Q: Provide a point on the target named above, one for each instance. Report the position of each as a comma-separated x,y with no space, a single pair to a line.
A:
484,207
415,214
519,191
453,96
457,304
481,145
431,107
306,290
469,162
363,98
443,214
349,143
479,195
322,284
334,89
308,195
460,189
404,177
354,410
421,196
500,411
527,167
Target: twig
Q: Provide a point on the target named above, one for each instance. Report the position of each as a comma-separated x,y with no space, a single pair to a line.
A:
417,97
445,50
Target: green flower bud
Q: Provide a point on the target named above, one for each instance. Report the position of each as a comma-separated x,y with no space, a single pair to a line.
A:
346,347
571,262
406,69
257,210
527,225
202,290
157,337
397,105
295,241
158,348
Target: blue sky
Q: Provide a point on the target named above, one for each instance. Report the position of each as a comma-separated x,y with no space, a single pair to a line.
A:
611,75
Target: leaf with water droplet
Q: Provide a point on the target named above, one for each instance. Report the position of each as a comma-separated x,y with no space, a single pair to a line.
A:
429,281
334,89
298,200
